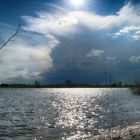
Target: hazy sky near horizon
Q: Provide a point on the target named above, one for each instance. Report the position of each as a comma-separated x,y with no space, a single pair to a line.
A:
62,40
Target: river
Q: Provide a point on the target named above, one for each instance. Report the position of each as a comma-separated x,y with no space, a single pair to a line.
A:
67,113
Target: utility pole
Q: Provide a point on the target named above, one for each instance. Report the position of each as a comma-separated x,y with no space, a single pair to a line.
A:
105,74
110,79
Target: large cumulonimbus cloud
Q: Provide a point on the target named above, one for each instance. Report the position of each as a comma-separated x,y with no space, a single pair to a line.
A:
82,34
79,45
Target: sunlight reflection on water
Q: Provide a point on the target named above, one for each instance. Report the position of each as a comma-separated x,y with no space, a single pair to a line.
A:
65,113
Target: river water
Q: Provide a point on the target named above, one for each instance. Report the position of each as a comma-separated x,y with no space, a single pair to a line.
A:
57,114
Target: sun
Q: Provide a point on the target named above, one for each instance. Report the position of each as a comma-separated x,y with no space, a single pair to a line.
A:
77,3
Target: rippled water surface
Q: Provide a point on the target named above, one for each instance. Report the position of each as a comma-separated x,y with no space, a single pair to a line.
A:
57,114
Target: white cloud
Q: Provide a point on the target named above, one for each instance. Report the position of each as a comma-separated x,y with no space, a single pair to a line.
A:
117,34
132,31
20,59
51,24
95,53
100,54
136,37
26,74
134,59
137,32
111,58
129,29
64,22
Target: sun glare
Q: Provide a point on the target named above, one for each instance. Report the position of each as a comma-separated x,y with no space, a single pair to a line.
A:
77,3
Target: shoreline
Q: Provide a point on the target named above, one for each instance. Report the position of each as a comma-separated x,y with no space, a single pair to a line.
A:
129,133
1,87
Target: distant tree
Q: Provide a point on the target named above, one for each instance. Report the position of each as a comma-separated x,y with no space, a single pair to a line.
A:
68,82
120,84
126,85
37,83
114,84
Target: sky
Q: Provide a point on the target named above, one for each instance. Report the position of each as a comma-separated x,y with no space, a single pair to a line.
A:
69,40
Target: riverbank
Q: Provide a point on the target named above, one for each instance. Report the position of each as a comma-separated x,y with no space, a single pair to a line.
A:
72,85
129,133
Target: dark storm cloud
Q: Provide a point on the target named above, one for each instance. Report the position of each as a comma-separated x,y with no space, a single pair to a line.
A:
70,60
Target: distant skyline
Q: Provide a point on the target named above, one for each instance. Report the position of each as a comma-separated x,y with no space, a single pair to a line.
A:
60,40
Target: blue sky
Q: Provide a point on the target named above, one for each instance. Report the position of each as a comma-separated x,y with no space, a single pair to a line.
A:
12,10
60,40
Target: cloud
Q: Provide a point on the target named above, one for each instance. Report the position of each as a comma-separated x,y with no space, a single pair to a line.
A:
51,23
111,58
136,37
26,74
137,32
132,31
25,57
95,53
24,62
134,59
129,29
117,34
84,48
75,45
63,23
